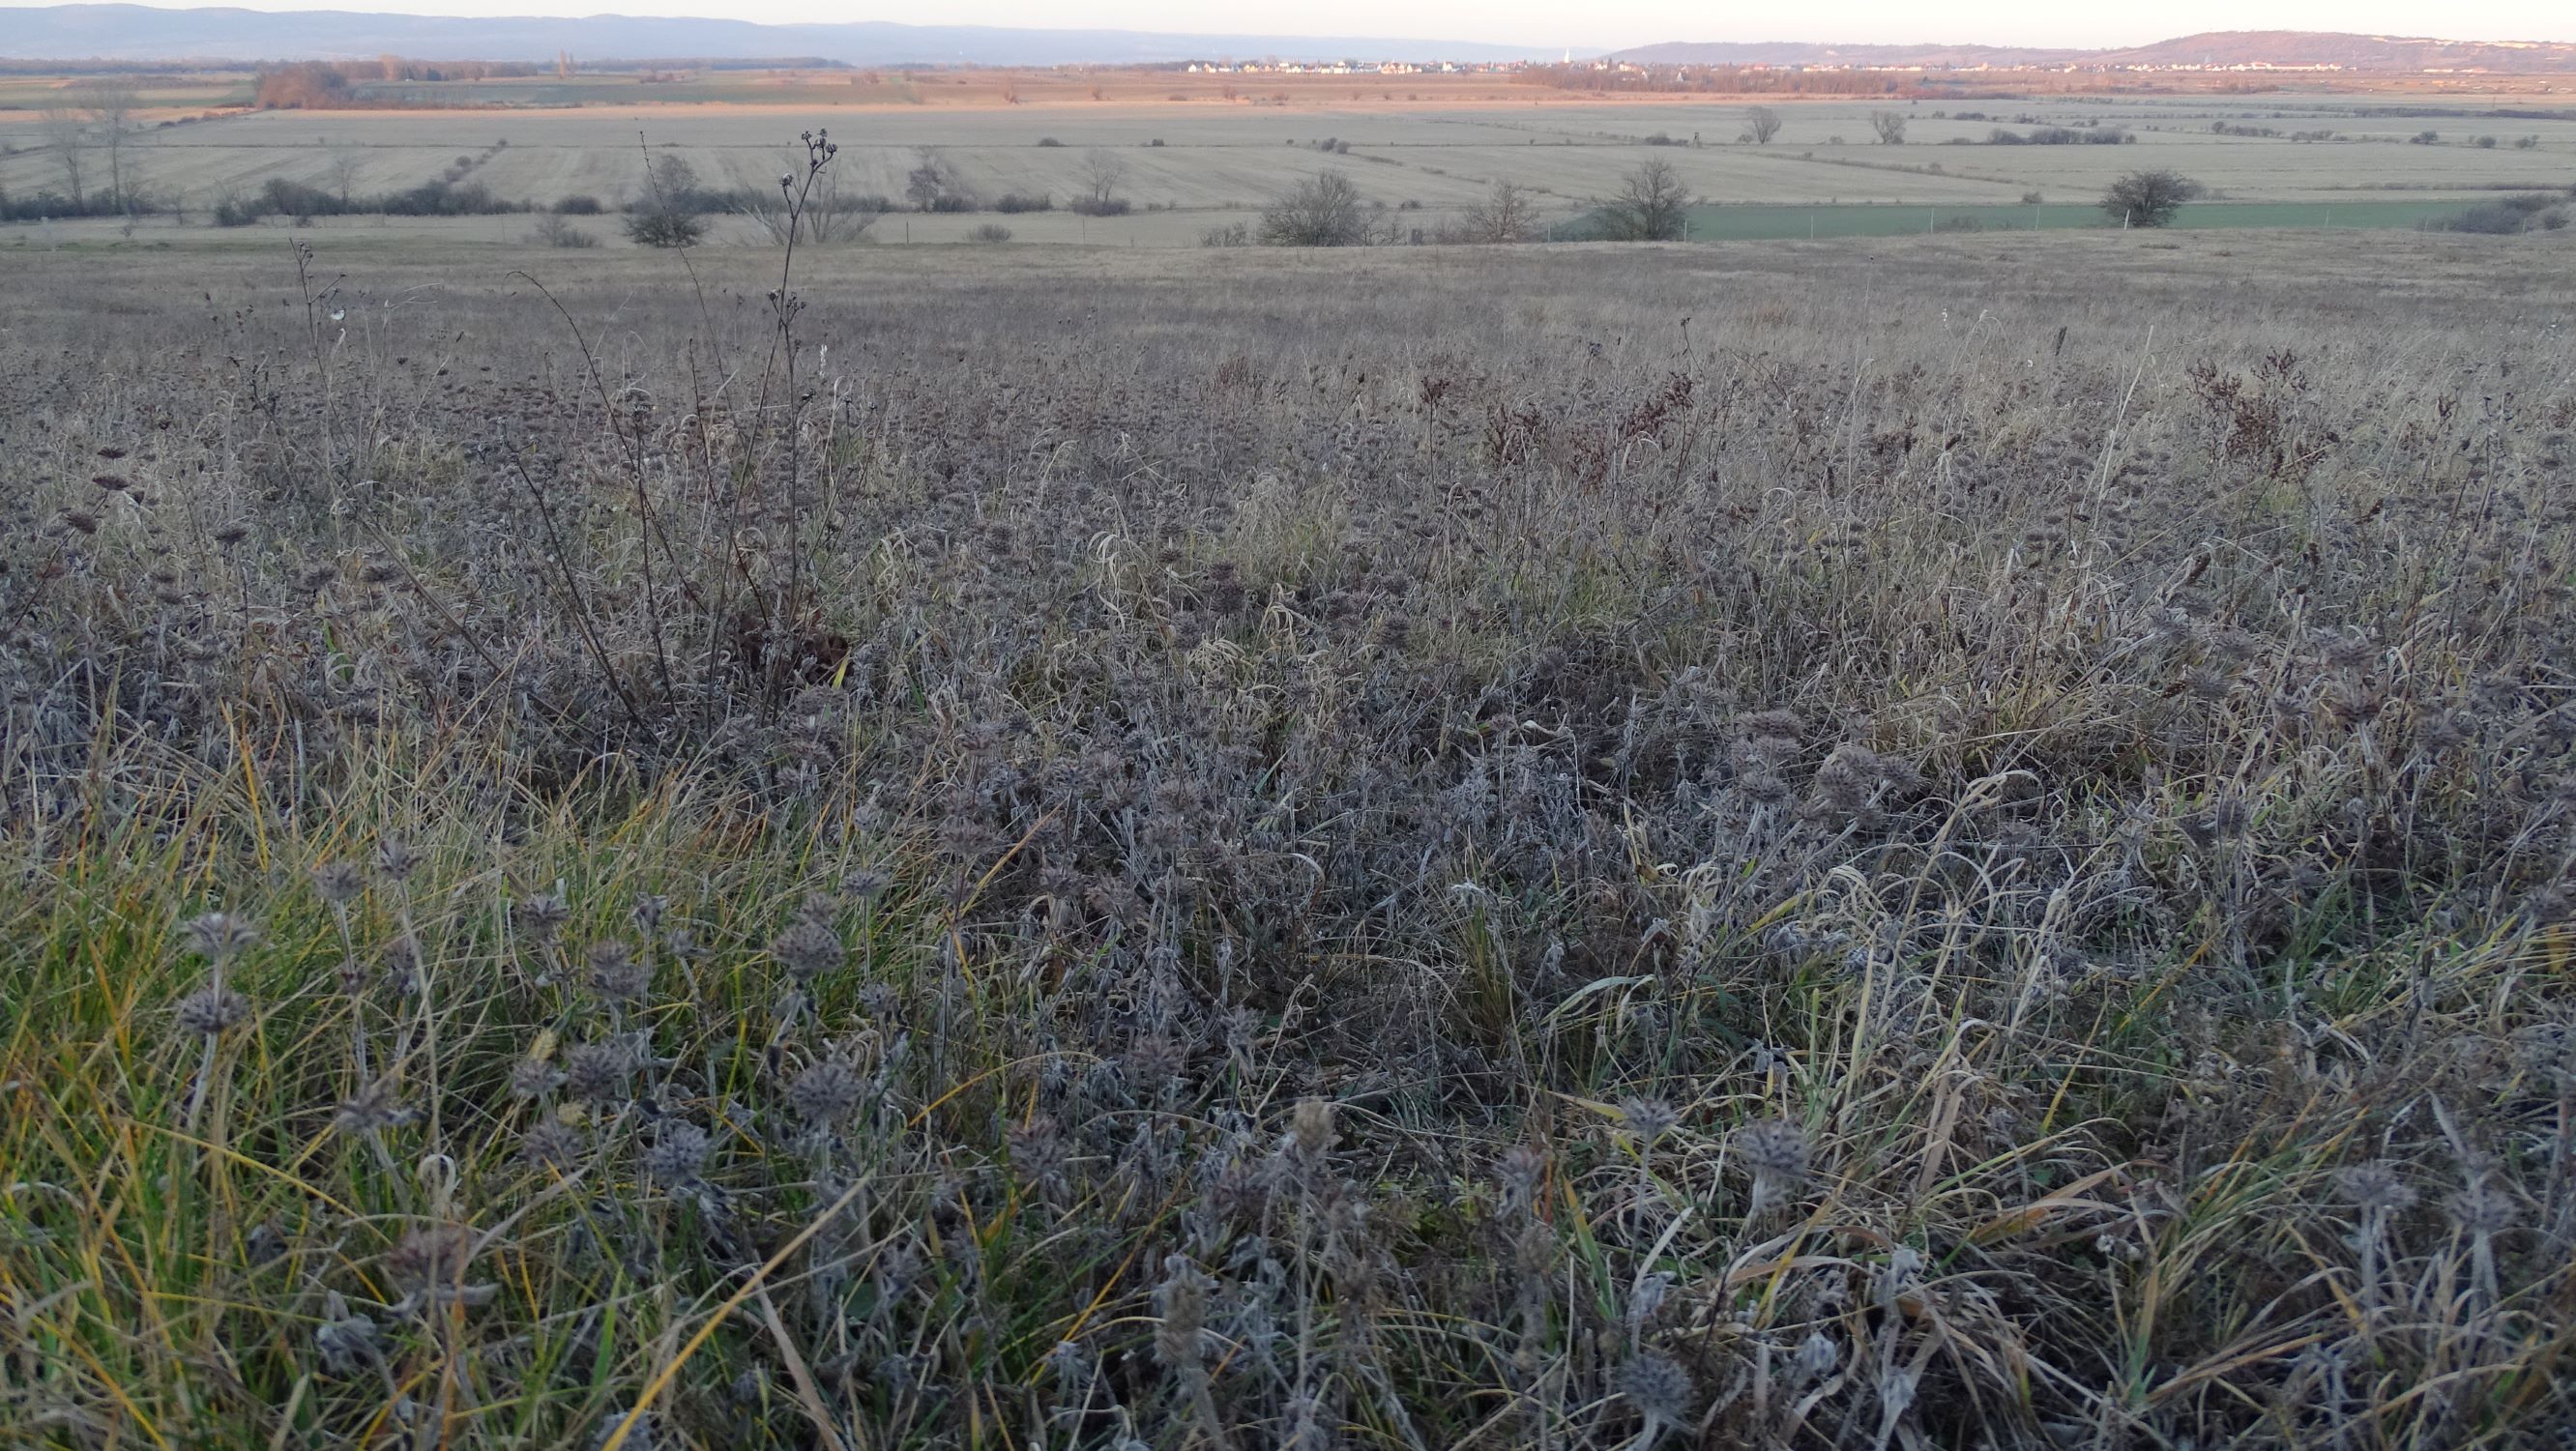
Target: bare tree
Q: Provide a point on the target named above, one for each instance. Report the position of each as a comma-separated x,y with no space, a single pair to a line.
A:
1100,173
1507,214
1651,206
110,102
1764,123
934,185
346,161
67,132
1890,126
1324,210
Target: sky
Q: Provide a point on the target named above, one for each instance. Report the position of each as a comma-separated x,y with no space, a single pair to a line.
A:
1600,24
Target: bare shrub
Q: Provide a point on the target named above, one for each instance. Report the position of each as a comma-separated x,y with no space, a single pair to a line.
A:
1325,210
1507,214
2148,198
552,230
1651,206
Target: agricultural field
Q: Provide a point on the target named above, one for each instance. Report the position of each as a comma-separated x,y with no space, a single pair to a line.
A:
1954,840
1759,222
1429,146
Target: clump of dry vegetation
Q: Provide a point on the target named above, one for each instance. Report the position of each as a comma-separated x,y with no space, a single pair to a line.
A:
1234,849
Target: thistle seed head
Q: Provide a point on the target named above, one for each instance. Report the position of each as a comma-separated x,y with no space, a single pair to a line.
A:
371,1109
534,1077
2374,1188
551,1141
596,1071
396,859
1518,1173
1775,1148
1658,1388
209,1012
1648,1119
541,916
808,949
615,974
219,937
826,1092
2482,1209
339,883
678,1155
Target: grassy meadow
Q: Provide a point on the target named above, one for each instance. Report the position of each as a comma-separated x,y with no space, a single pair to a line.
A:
1963,841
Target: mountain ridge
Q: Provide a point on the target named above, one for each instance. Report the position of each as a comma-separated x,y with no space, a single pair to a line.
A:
2213,48
153,34
88,32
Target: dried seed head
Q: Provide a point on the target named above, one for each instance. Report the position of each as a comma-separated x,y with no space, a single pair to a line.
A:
1648,1118
541,916
1155,1063
808,949
1658,1388
1037,1153
1519,1172
533,1077
2208,685
2348,652
2442,732
596,1071
551,1141
219,937
678,1155
208,1012
377,1106
2374,1188
396,859
1775,1147
1775,1150
2482,1209
431,1257
826,1092
340,883
1181,1299
614,972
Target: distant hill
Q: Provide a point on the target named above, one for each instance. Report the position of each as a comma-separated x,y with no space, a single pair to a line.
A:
145,33
2212,48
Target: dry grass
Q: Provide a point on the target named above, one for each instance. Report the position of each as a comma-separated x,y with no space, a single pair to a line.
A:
1947,843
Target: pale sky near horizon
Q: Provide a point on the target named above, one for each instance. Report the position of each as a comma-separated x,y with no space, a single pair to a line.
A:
1603,24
